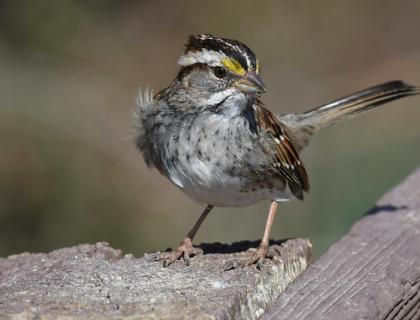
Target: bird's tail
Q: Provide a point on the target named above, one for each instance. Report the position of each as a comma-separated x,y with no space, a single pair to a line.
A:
357,103
347,107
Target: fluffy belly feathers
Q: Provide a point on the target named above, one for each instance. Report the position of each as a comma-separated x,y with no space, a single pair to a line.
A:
206,183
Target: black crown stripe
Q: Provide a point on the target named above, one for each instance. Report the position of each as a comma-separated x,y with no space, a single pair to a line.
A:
231,48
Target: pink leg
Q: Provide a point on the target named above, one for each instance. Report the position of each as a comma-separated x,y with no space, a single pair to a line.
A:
260,254
185,248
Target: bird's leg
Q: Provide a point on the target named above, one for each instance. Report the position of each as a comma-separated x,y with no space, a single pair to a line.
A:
257,256
185,248
263,247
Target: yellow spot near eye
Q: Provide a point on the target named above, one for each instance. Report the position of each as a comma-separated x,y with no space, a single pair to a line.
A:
257,68
234,66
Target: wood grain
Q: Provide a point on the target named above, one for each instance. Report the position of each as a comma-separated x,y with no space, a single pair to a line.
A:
371,273
99,282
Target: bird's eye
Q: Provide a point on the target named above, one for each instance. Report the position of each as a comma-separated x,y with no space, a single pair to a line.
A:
219,72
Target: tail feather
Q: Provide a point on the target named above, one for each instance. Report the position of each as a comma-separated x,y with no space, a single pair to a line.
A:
357,103
307,123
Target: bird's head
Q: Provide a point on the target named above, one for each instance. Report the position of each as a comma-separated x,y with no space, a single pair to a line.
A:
215,69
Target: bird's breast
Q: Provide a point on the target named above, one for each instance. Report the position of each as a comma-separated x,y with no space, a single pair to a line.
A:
211,160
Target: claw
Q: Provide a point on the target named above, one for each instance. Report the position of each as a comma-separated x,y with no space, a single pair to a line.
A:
185,251
253,256
260,262
187,259
232,264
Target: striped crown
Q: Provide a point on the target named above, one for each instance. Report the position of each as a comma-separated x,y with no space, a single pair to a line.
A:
207,49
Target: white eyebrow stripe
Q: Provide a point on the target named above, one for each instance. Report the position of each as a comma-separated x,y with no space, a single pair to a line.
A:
237,48
209,57
248,60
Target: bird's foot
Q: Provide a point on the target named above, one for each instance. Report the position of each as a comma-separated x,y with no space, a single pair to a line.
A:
185,251
252,257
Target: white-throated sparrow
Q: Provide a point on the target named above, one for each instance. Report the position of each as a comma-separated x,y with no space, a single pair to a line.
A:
209,133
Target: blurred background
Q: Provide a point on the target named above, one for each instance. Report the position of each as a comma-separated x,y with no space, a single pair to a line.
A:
69,74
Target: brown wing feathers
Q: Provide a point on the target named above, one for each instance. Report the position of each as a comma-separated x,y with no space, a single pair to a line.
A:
287,160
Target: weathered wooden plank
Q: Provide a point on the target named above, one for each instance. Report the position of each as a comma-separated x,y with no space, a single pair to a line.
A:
371,273
98,282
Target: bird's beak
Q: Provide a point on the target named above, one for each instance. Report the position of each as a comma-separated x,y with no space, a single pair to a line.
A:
251,83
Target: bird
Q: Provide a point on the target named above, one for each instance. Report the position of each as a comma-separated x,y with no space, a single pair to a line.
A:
210,134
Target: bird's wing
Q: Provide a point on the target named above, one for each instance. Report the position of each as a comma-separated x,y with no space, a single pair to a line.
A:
287,161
